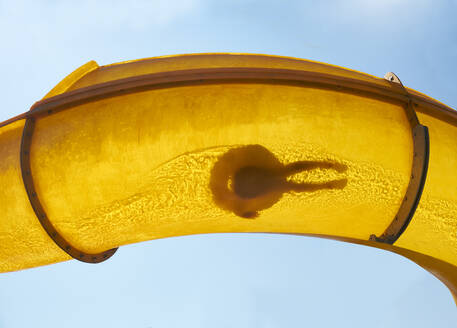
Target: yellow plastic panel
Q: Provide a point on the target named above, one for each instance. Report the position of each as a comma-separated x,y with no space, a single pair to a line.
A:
23,241
194,61
72,78
140,166
435,220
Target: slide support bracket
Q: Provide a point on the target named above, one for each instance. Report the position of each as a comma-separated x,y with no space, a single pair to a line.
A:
47,225
421,151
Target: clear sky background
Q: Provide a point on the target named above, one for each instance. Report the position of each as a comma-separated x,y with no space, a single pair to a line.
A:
230,280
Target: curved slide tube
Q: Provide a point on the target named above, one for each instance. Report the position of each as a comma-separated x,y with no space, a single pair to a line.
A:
216,143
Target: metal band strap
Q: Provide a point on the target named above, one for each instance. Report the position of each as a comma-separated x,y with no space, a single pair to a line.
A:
38,208
421,145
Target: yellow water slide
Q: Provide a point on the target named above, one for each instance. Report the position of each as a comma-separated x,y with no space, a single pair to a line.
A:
213,143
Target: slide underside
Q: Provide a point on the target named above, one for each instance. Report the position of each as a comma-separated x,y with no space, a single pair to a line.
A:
216,143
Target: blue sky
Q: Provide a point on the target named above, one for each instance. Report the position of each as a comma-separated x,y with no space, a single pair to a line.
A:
228,280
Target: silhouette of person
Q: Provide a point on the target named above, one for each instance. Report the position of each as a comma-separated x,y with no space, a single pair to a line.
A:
249,179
